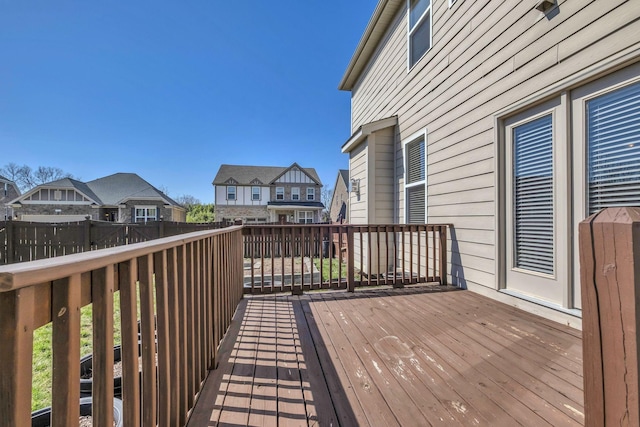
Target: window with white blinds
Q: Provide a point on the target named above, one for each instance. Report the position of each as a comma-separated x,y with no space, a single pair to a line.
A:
613,144
415,182
533,196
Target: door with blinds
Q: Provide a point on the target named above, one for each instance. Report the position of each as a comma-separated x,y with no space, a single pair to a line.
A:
606,129
536,205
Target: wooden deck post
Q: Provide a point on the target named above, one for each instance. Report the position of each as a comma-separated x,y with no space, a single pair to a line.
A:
351,279
443,254
609,272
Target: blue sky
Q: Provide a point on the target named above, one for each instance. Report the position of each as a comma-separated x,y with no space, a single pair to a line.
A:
172,90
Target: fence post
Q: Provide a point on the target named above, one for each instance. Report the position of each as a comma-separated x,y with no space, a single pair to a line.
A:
609,270
10,241
161,228
87,234
351,279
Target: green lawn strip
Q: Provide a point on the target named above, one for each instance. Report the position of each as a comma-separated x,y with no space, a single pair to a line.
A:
43,352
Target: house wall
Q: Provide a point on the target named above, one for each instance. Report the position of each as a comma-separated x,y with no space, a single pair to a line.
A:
486,57
243,196
340,195
50,209
303,191
358,172
233,212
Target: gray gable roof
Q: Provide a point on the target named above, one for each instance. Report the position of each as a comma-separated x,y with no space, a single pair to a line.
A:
111,190
119,187
245,175
344,174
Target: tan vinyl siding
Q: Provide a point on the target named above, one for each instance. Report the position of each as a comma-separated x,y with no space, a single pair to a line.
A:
358,171
382,200
485,56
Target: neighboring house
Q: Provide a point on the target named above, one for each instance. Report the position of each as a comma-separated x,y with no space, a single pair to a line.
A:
338,211
8,191
258,194
511,120
121,197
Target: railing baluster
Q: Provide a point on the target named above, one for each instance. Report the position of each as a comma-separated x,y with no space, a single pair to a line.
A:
65,307
102,365
174,337
16,353
147,327
160,268
128,275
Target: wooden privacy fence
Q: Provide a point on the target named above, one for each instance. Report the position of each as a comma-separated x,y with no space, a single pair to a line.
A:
301,257
610,284
29,241
187,288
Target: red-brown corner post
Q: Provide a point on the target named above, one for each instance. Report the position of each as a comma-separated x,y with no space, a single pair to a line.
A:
610,280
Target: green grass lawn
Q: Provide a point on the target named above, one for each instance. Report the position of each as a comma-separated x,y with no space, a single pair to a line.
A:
334,262
43,352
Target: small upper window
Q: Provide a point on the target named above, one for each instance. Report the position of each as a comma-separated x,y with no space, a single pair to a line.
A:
279,193
451,2
295,193
255,193
311,193
231,192
419,29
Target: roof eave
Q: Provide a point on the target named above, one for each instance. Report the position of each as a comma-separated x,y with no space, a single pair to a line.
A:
377,26
366,130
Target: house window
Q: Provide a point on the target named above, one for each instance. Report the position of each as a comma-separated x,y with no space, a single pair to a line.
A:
279,193
533,202
613,145
255,193
231,192
146,213
295,193
451,2
419,29
415,180
305,217
311,193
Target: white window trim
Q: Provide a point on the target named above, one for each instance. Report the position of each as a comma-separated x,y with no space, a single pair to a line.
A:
280,189
428,11
235,192
259,193
311,192
146,216
412,138
295,191
308,215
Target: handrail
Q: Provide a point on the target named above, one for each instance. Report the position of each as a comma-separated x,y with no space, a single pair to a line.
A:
187,288
16,276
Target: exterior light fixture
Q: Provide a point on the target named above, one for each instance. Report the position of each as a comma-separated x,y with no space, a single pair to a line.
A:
545,5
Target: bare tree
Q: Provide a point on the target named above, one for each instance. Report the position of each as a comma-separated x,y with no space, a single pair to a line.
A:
188,200
27,178
11,171
325,196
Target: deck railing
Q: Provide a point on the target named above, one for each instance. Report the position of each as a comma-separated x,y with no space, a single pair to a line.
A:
305,257
186,289
177,296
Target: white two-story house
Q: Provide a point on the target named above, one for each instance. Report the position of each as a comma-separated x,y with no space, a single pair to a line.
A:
260,194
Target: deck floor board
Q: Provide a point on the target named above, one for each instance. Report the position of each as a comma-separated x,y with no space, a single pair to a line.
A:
422,355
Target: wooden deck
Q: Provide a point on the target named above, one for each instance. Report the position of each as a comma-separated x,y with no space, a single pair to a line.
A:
422,355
